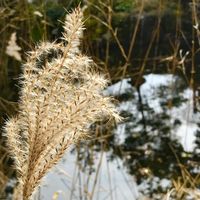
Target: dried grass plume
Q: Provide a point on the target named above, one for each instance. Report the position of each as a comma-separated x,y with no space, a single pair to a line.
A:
13,49
60,98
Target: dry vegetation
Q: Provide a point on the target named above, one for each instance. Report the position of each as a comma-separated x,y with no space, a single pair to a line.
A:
60,98
57,74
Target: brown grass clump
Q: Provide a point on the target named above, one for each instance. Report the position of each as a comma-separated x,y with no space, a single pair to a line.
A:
60,98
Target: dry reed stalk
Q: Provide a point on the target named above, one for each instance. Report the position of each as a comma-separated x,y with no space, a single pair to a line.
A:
60,98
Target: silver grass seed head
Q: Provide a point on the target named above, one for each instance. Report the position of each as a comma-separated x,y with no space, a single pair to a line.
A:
61,98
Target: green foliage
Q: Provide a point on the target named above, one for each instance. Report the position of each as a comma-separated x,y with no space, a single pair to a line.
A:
123,6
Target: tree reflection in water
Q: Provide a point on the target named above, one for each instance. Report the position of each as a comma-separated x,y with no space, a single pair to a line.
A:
147,141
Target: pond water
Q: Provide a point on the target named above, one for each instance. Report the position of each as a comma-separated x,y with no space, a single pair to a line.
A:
142,154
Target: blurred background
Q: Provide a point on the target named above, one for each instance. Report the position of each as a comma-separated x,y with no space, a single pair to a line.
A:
149,49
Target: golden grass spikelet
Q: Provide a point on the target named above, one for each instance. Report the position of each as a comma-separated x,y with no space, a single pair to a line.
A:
60,98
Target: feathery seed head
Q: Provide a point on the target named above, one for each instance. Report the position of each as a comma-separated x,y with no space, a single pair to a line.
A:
60,98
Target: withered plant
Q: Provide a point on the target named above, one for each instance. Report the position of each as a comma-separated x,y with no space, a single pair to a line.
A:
60,98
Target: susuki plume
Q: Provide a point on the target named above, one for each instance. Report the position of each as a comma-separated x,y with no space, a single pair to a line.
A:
60,98
13,49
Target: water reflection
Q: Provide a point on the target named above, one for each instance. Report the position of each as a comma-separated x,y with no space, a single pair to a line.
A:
159,134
